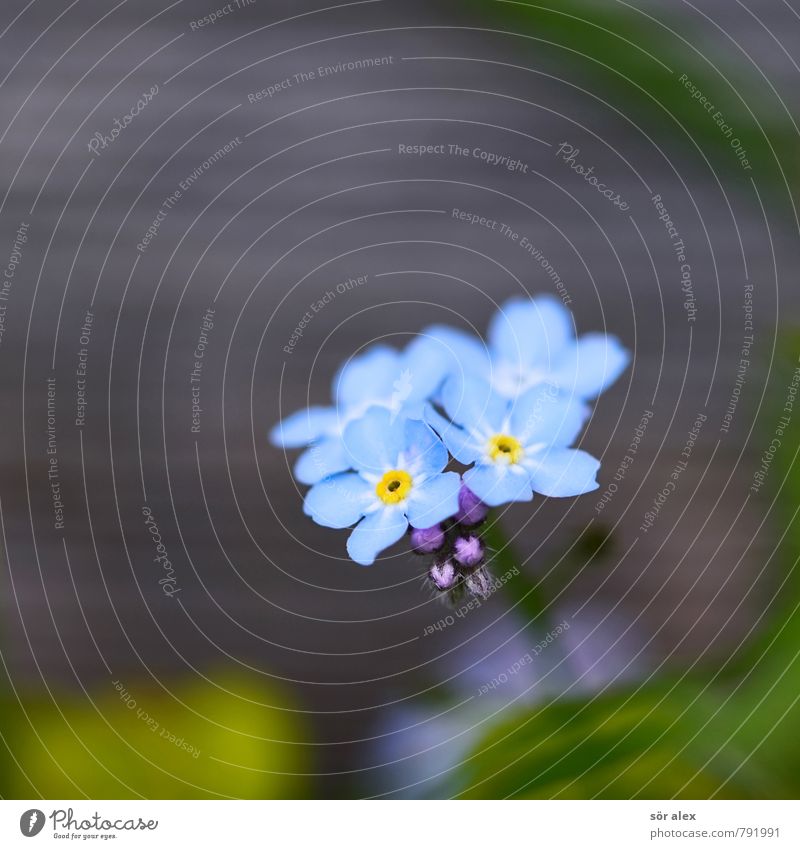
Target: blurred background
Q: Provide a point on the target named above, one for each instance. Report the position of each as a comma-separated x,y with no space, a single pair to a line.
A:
183,178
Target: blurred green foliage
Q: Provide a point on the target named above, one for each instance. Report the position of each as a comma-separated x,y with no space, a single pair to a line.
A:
633,60
725,732
234,738
631,745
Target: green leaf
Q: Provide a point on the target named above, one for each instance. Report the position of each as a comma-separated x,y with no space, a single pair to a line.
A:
644,743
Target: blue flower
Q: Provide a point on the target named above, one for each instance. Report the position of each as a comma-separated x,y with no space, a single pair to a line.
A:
398,480
398,381
517,448
532,342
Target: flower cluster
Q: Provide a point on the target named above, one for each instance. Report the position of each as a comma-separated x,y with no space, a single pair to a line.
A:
458,548
507,412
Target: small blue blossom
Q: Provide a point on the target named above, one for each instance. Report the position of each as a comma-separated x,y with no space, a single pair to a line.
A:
515,448
513,409
399,479
400,382
532,342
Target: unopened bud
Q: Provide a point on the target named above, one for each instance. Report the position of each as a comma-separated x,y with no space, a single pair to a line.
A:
443,575
427,540
471,510
479,583
468,551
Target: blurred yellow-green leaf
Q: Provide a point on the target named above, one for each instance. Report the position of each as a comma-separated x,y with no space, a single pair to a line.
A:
236,737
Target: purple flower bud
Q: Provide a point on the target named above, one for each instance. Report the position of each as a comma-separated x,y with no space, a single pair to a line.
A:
468,551
479,583
471,510
427,540
443,575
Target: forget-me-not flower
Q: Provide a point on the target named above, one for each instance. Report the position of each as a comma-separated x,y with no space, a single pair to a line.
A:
400,382
531,341
510,410
399,479
515,448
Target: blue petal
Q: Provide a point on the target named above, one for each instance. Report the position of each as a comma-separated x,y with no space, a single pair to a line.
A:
424,452
339,501
469,401
367,377
324,458
463,353
531,332
378,531
591,365
425,365
458,442
374,441
434,501
495,484
304,427
545,415
562,473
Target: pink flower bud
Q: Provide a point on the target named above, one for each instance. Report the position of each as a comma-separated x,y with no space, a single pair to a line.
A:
443,575
427,540
471,510
468,551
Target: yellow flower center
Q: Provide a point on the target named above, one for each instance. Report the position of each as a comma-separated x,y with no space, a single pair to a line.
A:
394,486
505,449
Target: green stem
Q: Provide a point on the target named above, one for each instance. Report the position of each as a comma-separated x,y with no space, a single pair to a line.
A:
527,593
